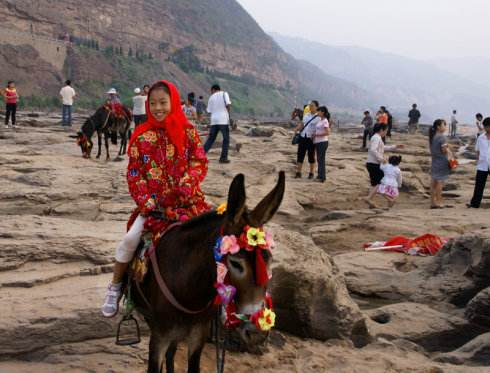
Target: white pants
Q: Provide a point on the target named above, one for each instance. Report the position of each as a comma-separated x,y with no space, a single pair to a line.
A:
129,244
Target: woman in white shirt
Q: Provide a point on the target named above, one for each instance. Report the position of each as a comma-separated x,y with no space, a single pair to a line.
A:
320,139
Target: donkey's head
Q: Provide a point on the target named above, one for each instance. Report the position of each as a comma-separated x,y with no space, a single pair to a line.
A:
249,258
84,138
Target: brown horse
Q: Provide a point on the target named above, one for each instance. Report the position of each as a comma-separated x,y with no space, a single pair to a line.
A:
187,265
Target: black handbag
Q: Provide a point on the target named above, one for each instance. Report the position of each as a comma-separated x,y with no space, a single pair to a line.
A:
297,136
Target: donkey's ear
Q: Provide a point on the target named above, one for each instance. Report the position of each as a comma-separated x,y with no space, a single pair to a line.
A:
236,200
266,208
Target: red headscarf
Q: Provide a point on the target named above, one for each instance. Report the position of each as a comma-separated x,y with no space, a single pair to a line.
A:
175,123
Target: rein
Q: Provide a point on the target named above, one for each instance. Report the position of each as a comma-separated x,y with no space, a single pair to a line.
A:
163,286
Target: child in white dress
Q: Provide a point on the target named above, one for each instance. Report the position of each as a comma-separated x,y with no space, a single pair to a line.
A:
392,180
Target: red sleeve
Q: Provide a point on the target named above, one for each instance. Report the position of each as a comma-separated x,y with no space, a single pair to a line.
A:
137,183
197,164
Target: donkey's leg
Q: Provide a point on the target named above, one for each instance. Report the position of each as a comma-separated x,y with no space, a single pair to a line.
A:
106,140
158,346
99,141
169,357
123,143
195,344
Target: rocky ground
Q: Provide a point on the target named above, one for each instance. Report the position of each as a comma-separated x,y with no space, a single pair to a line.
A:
368,312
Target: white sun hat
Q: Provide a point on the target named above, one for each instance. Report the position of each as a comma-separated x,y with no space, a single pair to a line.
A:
112,91
137,91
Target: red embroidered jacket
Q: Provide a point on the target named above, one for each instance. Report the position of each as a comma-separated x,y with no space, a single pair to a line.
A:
161,179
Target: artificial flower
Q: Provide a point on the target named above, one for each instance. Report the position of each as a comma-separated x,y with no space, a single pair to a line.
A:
226,293
220,210
229,245
221,272
217,250
269,239
255,237
266,320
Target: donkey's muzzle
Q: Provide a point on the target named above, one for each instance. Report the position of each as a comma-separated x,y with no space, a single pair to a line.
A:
252,336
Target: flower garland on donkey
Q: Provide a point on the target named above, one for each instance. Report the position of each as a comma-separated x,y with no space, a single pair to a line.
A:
167,163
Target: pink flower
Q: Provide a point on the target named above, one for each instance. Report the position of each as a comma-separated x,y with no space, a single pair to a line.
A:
269,239
229,245
226,293
221,272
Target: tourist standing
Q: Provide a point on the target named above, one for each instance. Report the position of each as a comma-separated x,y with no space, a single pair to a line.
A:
11,96
306,130
189,110
219,106
390,122
413,119
200,109
479,125
382,117
454,125
367,122
320,139
139,110
440,152
67,94
483,165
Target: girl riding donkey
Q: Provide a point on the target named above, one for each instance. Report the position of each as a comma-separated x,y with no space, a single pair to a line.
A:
166,166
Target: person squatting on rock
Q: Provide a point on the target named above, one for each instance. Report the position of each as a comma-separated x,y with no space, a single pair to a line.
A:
483,166
167,163
11,96
306,130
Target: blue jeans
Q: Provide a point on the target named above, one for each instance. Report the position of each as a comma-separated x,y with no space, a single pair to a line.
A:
66,115
225,130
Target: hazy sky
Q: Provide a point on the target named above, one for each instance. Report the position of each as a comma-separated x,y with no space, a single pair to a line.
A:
418,28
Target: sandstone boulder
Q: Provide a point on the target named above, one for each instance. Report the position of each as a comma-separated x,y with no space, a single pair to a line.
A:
260,132
475,352
478,310
309,292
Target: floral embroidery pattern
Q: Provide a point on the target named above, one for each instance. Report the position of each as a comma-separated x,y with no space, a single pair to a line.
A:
160,178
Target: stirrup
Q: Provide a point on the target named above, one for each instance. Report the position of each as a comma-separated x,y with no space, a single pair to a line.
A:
130,323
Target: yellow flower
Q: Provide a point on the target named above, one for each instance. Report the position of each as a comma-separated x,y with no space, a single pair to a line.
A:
150,136
221,209
255,237
267,321
134,151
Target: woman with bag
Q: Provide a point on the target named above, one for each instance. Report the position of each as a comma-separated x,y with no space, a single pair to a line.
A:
304,133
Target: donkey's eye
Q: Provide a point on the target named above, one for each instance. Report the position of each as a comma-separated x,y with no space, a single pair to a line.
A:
236,265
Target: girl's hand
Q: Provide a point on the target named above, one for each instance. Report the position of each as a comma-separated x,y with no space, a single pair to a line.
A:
400,146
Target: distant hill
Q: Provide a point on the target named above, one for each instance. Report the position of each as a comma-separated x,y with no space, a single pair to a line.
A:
475,69
394,81
128,43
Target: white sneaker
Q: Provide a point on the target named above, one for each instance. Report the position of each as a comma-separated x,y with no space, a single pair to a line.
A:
7,126
111,302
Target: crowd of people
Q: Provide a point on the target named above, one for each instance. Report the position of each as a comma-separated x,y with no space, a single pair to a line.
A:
312,137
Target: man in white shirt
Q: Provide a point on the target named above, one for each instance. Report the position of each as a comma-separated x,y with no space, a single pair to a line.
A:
67,94
219,106
139,109
483,165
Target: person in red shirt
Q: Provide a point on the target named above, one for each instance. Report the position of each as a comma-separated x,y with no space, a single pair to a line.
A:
11,98
167,163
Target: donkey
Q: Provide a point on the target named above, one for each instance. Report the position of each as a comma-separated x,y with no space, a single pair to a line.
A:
104,122
187,265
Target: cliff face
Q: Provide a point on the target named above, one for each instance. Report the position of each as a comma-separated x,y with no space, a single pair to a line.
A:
131,42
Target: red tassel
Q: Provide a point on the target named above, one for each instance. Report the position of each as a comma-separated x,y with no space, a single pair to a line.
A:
261,276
